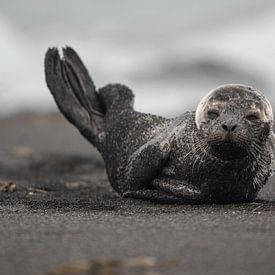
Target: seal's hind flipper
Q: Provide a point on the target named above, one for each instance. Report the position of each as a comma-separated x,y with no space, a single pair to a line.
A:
74,93
82,82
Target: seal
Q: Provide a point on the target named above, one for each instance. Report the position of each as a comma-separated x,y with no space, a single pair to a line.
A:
221,153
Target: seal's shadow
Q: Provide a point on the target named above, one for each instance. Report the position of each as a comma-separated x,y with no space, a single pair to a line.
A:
75,182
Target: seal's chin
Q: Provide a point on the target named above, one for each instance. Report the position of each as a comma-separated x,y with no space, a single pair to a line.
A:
228,150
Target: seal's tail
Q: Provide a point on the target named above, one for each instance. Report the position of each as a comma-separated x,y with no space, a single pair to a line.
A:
75,93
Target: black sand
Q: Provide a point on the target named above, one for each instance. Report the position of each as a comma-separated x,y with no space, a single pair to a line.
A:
64,211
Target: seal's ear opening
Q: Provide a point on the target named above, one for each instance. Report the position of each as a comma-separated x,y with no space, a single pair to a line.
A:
74,92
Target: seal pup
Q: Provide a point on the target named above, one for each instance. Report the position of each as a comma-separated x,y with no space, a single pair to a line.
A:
221,153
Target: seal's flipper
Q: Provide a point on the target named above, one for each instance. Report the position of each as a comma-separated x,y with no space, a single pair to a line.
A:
116,97
74,93
82,82
145,164
179,188
148,161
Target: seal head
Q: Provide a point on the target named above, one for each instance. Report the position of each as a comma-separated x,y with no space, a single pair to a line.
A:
235,121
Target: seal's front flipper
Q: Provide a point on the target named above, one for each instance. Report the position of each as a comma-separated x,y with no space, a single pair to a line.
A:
74,93
180,189
146,163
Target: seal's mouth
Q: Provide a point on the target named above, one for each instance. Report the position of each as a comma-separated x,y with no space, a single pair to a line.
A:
228,150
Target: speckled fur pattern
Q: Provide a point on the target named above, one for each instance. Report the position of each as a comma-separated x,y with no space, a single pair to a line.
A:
189,159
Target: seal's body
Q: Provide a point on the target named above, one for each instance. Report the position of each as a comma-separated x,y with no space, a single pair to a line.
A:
221,153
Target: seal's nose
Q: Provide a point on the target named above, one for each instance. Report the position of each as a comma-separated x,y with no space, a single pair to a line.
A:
229,128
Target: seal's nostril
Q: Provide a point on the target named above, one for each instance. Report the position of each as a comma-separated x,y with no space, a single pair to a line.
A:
229,128
233,128
225,127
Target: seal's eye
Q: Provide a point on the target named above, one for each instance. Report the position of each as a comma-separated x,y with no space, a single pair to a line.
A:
212,114
252,117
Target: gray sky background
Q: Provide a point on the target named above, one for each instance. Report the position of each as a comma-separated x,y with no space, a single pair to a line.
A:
169,52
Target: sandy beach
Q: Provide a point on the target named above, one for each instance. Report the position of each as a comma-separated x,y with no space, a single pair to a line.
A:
58,210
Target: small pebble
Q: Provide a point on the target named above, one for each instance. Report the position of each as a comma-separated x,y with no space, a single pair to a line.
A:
8,187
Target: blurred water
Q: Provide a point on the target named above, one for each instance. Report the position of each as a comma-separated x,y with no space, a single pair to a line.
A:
169,53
